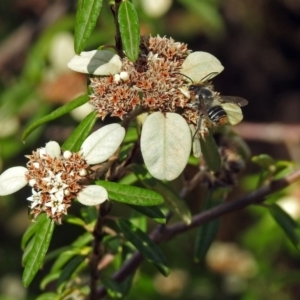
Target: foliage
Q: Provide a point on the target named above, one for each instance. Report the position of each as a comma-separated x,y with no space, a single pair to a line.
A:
156,189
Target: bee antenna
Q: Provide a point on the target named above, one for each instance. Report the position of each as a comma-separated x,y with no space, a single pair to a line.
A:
185,76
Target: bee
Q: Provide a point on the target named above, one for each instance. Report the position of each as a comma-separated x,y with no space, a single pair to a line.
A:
214,109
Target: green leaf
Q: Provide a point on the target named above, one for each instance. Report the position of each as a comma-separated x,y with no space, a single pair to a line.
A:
152,212
172,199
75,140
210,153
74,220
70,270
207,232
289,225
129,29
56,114
131,194
145,245
265,161
39,249
64,258
86,19
128,179
47,296
50,277
205,236
114,289
31,230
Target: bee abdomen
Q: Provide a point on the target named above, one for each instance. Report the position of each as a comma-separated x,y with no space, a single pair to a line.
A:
217,115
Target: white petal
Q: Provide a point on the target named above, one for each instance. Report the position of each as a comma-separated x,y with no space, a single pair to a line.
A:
92,195
198,65
103,143
67,154
97,62
12,180
53,149
165,144
124,76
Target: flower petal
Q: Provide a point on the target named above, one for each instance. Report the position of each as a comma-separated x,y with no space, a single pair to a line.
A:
53,149
103,143
165,144
12,180
93,195
201,66
96,62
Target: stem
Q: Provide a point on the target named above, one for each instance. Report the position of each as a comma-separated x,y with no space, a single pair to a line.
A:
115,10
160,234
97,253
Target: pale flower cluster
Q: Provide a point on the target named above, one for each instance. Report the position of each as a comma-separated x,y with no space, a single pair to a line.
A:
157,82
58,177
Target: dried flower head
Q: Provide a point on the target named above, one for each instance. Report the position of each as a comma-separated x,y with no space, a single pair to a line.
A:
158,83
152,81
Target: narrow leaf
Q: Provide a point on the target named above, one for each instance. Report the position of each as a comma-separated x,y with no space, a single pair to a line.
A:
152,212
129,29
205,236
47,296
86,18
285,221
165,144
70,269
265,161
208,231
64,258
131,194
39,249
145,245
56,114
75,140
210,153
31,230
114,289
176,204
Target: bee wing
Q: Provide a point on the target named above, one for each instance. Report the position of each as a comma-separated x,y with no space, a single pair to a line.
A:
232,99
234,113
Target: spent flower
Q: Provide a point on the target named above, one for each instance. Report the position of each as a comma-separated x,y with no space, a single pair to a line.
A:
58,177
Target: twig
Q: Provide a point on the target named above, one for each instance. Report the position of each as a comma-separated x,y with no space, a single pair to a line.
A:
158,235
269,132
97,253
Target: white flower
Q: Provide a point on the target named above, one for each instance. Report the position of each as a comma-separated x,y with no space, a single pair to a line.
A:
54,175
35,199
56,205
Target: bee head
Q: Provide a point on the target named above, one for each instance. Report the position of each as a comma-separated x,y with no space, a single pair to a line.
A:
200,92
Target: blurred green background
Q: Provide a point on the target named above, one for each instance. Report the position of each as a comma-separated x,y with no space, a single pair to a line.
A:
257,41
